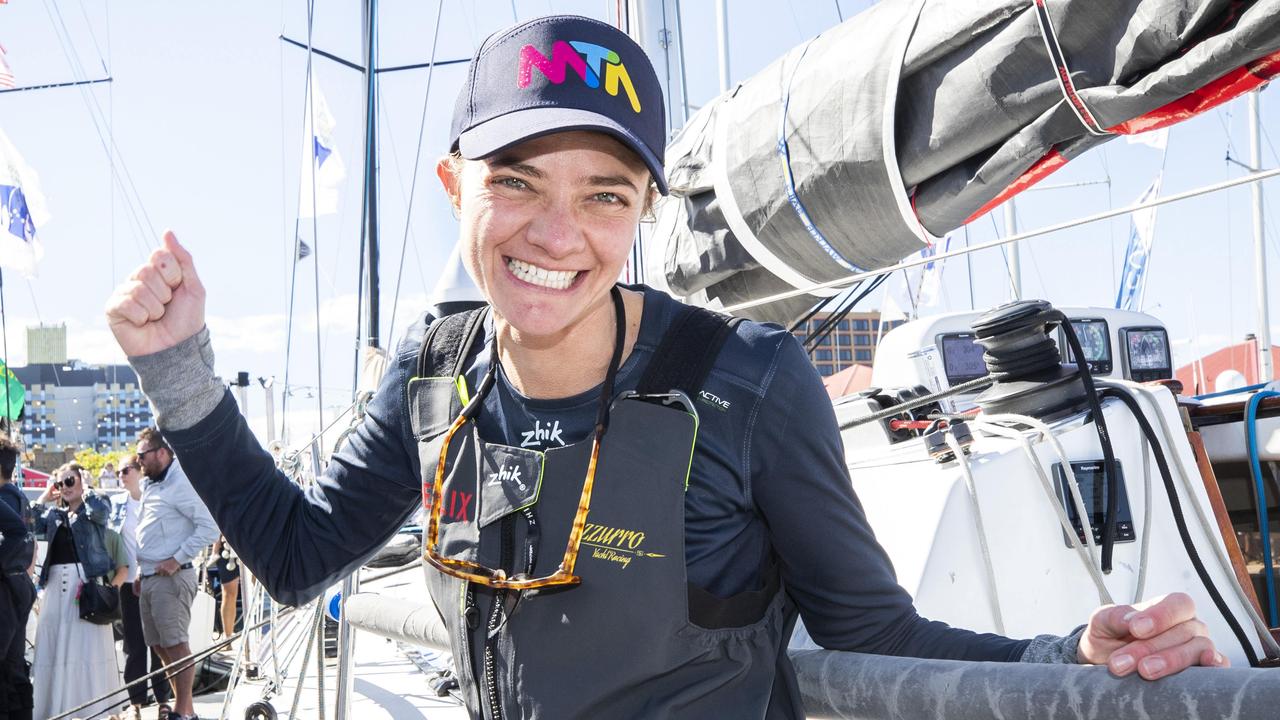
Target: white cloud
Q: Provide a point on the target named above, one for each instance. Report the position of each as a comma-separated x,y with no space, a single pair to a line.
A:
251,332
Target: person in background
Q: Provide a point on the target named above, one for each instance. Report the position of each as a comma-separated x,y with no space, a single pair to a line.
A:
75,659
174,526
17,594
107,477
228,565
125,510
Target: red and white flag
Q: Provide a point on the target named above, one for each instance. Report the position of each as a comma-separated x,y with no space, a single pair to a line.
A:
6,75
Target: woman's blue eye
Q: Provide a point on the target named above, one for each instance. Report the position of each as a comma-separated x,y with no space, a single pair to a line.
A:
608,197
511,182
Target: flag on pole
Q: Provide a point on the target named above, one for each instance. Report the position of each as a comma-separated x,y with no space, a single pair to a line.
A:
322,168
22,211
304,250
1142,231
1158,139
916,288
929,290
12,394
7,80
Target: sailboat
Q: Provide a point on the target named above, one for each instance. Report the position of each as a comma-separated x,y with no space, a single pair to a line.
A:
789,243
796,241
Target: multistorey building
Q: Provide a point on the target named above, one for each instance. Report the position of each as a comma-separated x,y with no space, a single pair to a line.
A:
852,340
74,405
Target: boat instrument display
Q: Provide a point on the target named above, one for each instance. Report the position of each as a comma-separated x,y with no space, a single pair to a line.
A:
993,467
1092,480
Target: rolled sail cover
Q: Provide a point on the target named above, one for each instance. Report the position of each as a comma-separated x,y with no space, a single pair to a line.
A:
912,117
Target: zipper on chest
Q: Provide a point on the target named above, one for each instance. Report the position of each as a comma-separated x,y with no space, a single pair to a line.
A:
489,668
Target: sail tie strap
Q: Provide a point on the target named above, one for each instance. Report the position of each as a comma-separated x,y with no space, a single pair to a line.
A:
1063,73
789,180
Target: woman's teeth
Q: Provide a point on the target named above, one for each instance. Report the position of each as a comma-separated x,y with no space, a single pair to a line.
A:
534,275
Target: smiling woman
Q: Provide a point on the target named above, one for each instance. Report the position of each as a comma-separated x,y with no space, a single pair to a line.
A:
546,228
608,474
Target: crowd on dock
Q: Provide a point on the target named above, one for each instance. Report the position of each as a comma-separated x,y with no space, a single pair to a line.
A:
124,554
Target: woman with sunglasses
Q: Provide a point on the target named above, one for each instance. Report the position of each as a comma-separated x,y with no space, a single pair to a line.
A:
75,659
587,521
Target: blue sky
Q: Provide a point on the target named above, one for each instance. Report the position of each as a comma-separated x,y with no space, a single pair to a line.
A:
206,112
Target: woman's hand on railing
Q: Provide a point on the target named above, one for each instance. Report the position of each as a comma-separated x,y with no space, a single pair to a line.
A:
1156,638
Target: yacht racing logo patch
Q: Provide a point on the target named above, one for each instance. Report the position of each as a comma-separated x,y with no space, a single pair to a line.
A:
616,545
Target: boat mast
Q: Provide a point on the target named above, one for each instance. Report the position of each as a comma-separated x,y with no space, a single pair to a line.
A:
370,224
351,584
1015,257
658,33
722,42
1263,331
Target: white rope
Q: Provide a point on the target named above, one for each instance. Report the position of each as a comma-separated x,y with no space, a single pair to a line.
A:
1088,551
1210,531
993,593
1145,552
842,283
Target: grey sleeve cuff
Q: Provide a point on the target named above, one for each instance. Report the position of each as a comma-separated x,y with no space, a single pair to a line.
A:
180,382
1054,649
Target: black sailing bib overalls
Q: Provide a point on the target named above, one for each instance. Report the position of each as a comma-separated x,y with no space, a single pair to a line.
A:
620,644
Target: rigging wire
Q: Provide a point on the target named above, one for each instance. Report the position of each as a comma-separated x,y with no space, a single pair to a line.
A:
844,282
111,160
138,214
315,212
89,27
832,322
1111,230
815,338
417,158
812,311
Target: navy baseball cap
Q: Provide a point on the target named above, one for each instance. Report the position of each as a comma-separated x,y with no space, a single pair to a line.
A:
556,74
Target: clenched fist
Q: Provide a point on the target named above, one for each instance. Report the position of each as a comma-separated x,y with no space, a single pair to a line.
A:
160,305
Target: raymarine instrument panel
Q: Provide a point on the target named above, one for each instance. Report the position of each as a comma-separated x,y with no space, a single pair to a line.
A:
1092,481
1146,353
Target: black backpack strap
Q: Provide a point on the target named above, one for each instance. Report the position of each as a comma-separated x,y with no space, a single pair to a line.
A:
448,342
688,351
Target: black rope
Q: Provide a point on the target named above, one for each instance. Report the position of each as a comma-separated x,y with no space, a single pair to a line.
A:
1175,505
830,324
812,311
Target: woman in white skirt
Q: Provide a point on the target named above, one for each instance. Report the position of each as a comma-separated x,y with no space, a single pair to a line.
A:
75,660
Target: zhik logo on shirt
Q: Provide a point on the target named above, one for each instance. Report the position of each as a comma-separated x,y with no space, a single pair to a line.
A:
542,434
508,474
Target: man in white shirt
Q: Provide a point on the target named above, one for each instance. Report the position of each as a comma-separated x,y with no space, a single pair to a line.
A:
126,508
173,527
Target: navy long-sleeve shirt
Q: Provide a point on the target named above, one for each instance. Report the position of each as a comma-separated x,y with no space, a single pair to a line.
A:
768,476
16,542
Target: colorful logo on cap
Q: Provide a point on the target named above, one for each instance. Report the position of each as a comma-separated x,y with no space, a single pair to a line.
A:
589,60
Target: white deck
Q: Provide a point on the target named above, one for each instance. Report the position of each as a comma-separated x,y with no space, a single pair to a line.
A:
391,677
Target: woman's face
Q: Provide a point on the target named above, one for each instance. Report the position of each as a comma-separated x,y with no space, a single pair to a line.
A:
547,226
75,492
129,477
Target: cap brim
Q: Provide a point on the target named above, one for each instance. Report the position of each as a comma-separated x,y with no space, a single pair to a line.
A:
504,131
